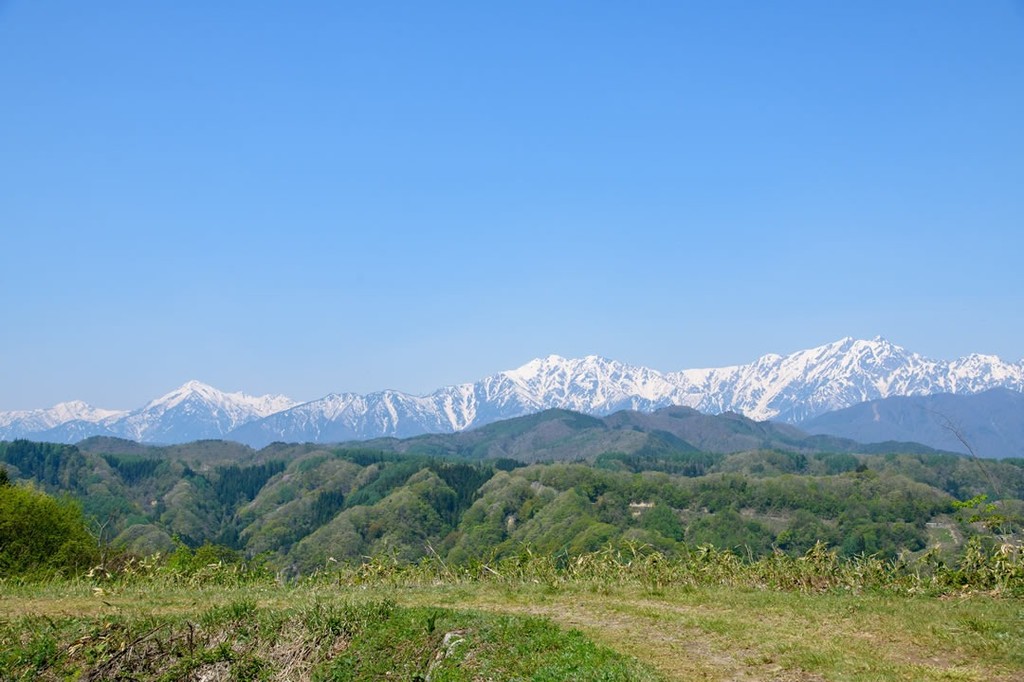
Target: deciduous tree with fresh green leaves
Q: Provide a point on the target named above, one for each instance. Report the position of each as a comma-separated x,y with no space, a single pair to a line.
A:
39,533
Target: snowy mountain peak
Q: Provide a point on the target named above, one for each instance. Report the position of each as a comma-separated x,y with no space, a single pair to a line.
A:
555,368
194,390
79,410
196,386
183,392
980,358
47,418
536,367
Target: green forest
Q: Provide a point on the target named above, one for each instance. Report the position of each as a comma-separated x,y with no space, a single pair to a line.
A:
299,508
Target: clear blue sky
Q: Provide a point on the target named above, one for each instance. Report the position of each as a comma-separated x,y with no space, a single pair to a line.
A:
306,197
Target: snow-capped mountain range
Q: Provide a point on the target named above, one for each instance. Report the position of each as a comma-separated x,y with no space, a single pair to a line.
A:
790,388
193,411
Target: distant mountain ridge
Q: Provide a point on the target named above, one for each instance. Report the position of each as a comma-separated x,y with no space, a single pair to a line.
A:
992,421
194,411
563,435
790,388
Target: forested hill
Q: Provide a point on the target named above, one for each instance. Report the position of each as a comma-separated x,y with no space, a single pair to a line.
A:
562,435
557,481
553,435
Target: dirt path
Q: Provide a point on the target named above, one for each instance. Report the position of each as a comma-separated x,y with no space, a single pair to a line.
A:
746,639
652,635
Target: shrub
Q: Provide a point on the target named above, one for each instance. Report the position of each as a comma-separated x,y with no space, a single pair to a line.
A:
39,533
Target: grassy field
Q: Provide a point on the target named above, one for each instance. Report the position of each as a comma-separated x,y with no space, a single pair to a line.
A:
264,632
481,630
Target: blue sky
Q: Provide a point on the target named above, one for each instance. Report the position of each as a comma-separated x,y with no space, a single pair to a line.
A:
308,197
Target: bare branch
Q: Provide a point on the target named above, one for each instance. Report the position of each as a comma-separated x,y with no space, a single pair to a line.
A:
947,423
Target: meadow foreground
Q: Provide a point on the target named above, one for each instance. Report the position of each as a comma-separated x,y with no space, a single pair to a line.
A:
531,629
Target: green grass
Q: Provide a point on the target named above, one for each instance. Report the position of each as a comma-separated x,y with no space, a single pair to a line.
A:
724,633
487,630
334,635
598,616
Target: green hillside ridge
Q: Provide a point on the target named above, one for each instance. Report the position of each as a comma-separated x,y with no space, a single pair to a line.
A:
627,478
564,435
